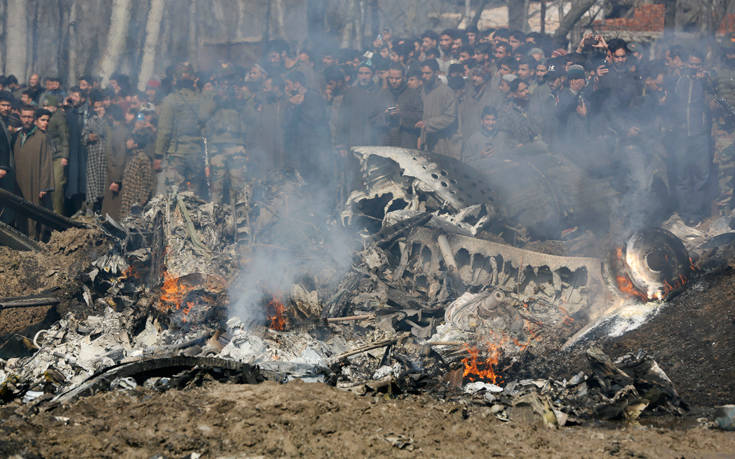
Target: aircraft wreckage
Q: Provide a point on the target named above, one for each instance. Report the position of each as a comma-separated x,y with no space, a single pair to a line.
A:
447,233
460,268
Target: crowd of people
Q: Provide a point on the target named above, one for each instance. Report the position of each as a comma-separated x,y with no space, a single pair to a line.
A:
619,111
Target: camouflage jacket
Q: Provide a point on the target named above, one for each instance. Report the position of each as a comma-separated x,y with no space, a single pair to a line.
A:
179,125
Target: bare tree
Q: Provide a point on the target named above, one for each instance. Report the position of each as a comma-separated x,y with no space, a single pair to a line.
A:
16,38
152,33
518,14
351,30
71,59
478,13
193,36
568,21
116,38
279,16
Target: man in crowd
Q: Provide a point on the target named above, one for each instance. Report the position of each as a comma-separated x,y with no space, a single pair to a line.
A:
439,119
483,143
179,139
75,109
592,99
307,132
33,155
360,110
403,108
7,166
96,138
58,134
34,88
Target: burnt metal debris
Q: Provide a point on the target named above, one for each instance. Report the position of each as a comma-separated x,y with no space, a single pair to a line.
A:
451,292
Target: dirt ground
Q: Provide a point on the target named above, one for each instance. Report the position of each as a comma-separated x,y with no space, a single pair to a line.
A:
693,340
58,265
315,420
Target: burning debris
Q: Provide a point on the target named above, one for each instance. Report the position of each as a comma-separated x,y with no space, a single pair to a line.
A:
450,294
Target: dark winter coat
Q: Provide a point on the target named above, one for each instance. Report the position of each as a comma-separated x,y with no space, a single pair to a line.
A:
400,125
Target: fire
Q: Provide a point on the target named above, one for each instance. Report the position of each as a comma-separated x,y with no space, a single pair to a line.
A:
476,368
173,293
677,284
692,265
626,286
276,315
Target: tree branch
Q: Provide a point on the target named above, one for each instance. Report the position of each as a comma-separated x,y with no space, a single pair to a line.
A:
478,13
570,19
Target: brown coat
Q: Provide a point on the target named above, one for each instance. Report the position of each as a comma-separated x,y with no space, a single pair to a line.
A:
116,159
34,171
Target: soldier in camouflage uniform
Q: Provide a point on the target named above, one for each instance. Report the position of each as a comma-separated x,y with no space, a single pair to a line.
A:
225,132
179,139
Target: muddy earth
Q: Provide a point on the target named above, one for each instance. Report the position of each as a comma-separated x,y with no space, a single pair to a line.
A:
692,339
315,420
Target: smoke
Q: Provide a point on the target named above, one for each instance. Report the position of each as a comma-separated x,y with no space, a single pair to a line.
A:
297,240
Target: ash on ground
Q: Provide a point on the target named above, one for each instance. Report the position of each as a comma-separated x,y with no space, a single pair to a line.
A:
438,295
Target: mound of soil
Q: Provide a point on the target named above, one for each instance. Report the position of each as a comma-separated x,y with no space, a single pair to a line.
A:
315,420
58,265
693,340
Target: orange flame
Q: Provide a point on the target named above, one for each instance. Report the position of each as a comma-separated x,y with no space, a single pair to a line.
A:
275,312
626,286
476,368
173,293
693,266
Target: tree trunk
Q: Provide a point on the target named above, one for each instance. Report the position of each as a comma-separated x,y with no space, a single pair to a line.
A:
280,19
152,32
116,38
3,19
518,14
16,39
360,24
352,21
375,17
570,19
315,11
478,13
193,45
542,28
71,45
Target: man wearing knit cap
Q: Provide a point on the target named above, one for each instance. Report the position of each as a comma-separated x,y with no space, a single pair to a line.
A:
571,110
